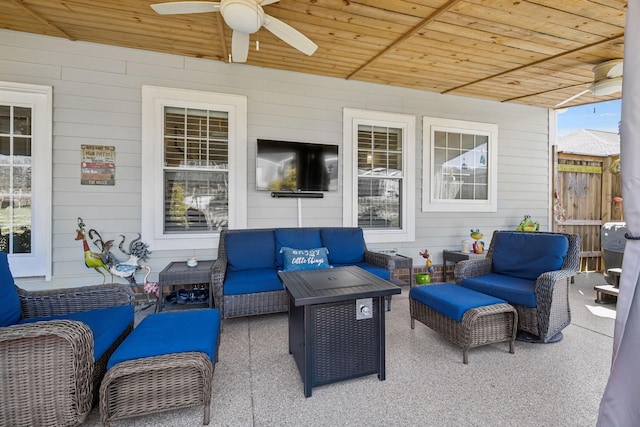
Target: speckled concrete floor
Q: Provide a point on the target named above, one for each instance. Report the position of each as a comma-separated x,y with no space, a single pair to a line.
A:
256,382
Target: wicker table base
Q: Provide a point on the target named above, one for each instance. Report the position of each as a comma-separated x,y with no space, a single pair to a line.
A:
479,326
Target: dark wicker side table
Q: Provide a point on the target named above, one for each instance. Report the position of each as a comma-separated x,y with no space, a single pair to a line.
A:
178,275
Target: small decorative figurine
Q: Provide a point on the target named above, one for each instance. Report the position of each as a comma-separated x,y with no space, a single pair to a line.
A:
527,224
478,246
105,262
429,264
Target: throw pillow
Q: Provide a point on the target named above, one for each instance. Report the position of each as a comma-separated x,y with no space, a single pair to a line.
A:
305,259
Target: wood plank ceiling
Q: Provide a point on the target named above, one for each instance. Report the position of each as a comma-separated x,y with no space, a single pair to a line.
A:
536,52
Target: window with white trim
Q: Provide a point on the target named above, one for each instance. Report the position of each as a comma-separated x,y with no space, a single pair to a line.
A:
459,166
378,193
194,166
25,178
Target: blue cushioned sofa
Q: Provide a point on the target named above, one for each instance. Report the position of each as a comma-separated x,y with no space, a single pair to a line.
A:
532,272
54,348
245,275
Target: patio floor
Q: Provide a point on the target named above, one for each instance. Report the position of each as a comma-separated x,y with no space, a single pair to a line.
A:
256,382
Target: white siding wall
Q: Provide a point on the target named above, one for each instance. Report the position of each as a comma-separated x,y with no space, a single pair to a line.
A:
97,100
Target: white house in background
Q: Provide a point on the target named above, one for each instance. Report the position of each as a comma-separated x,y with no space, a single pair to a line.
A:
114,97
590,143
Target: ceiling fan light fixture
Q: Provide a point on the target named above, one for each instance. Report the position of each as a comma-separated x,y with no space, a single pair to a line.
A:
245,16
606,86
607,69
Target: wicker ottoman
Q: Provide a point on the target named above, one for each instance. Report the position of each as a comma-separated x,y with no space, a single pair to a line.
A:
466,318
166,363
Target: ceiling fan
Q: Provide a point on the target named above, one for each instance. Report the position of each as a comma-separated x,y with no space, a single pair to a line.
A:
244,17
607,79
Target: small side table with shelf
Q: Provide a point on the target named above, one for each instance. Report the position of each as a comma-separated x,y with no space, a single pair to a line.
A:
178,275
403,262
457,256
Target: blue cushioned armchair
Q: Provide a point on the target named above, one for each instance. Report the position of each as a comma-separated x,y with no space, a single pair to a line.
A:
54,348
532,272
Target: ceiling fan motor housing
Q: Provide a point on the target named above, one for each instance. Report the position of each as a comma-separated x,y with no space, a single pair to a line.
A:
245,16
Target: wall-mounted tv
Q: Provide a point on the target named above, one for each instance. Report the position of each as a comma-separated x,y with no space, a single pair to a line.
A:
296,166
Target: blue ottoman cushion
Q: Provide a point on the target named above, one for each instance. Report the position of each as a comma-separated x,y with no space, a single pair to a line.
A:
512,289
106,324
171,332
451,300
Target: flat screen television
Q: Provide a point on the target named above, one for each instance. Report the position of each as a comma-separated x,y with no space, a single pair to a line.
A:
296,166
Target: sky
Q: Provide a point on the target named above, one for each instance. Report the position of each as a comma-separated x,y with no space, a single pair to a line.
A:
599,116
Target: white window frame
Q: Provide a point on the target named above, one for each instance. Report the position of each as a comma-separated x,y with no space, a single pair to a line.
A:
40,100
352,118
154,99
429,203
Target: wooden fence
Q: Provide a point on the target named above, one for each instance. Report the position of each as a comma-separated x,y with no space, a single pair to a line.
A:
587,194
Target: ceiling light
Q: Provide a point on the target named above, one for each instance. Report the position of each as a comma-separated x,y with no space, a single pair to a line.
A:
606,86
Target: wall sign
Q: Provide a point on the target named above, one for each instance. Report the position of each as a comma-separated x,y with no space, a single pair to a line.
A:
98,166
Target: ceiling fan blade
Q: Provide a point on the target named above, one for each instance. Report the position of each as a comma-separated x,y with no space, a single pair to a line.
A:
182,7
239,46
578,95
267,2
289,35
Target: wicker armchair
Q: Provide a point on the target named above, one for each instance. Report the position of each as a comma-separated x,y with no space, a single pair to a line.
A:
48,376
545,321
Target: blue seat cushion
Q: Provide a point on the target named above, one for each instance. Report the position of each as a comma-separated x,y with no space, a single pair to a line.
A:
296,238
106,324
249,282
9,300
514,290
451,300
171,332
304,259
527,255
346,245
252,249
382,273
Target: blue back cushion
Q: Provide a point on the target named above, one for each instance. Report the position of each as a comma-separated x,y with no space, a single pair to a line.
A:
451,300
304,259
346,245
528,255
106,324
298,238
171,332
248,250
9,301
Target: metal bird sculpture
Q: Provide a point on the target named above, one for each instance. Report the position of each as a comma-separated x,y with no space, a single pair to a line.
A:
91,259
